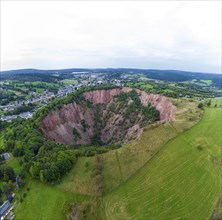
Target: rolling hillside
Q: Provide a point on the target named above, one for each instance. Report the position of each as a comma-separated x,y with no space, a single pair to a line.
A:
149,178
181,182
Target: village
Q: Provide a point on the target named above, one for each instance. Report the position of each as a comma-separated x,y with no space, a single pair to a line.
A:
83,79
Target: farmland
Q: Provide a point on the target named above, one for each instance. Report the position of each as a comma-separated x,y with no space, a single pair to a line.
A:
69,81
182,181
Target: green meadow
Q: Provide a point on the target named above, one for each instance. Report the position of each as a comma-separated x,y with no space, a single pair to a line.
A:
69,81
182,181
44,202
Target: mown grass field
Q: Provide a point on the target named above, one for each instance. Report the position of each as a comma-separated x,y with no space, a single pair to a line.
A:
44,201
69,81
142,85
216,102
182,181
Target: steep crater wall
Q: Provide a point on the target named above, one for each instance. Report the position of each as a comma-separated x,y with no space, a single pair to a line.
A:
106,116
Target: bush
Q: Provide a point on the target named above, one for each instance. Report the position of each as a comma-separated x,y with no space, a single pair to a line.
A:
199,148
209,103
200,105
76,133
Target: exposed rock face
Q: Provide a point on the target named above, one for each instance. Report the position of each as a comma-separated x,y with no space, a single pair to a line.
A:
59,124
161,103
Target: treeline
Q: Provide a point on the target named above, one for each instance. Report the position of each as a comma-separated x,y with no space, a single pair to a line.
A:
51,163
7,173
3,125
180,90
44,160
30,77
7,97
70,98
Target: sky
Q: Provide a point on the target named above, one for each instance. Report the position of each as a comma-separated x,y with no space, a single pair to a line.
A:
183,35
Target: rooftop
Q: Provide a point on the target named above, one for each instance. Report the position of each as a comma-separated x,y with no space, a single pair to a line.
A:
4,208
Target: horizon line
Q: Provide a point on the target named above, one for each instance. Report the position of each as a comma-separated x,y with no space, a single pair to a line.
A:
97,68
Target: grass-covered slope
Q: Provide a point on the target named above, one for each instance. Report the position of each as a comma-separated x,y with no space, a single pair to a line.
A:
44,202
120,164
182,181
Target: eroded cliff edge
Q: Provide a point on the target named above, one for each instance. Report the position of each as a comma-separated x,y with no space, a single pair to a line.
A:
104,117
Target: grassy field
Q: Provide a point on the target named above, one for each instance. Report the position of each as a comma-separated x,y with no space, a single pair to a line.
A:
217,102
69,81
79,180
125,161
208,82
44,202
36,83
39,90
182,181
12,162
141,85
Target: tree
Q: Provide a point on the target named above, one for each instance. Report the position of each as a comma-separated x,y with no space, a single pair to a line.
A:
209,103
35,170
7,173
22,174
76,133
200,105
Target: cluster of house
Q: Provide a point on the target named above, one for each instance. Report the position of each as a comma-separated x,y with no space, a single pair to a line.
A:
24,115
66,90
89,79
11,107
38,97
6,209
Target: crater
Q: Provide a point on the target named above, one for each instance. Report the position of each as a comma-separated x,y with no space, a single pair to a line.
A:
107,116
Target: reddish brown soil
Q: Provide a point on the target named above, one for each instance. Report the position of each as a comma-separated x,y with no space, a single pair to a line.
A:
58,124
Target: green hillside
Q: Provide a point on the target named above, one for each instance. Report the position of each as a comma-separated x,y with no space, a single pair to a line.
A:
162,175
183,181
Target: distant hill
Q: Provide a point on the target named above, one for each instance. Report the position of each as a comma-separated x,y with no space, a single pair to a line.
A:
166,75
30,71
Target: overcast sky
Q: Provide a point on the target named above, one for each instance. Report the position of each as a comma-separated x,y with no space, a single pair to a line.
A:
182,35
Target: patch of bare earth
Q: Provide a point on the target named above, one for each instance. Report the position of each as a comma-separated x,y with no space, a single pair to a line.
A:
104,118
